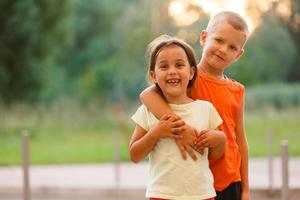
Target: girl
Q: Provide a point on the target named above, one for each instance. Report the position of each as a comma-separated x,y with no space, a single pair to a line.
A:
172,68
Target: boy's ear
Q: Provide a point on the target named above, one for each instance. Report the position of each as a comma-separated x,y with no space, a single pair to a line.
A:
203,36
240,54
192,72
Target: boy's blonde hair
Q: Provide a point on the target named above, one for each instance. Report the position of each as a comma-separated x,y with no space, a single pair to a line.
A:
232,18
154,48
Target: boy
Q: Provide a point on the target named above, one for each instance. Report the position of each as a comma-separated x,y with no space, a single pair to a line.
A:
223,43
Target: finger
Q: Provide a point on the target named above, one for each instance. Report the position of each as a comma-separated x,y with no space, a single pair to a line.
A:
175,118
202,132
196,141
177,136
199,140
177,130
182,150
203,144
178,123
199,149
172,118
197,134
203,136
191,153
165,117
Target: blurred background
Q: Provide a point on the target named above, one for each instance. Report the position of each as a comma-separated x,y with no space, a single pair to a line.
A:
71,72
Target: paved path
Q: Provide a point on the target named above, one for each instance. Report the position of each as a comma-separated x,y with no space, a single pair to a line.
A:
126,179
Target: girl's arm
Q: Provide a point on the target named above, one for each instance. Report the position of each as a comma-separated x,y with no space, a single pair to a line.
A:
215,140
243,147
218,149
142,142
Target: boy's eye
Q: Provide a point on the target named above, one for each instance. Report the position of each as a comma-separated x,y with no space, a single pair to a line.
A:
233,48
218,40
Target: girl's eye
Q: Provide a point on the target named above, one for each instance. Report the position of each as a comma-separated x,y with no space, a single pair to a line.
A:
162,67
179,65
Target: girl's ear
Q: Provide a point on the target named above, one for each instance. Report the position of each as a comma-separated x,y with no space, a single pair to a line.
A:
203,37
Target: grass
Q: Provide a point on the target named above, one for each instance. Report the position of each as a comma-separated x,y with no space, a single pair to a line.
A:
283,124
69,133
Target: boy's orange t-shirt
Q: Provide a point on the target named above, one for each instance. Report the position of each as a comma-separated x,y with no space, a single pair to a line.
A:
226,95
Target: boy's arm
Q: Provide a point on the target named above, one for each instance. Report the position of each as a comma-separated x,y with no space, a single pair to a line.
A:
243,147
155,102
158,106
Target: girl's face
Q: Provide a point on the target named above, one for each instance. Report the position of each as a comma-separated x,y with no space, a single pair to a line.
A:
221,46
172,73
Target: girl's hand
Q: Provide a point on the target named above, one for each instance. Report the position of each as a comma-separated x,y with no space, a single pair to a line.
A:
209,139
214,140
168,127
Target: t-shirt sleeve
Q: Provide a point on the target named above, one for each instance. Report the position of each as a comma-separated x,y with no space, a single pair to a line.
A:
214,118
140,117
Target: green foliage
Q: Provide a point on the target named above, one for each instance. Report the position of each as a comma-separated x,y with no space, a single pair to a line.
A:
276,95
95,50
30,30
269,55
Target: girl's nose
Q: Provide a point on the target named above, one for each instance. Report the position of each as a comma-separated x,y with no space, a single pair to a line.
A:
172,70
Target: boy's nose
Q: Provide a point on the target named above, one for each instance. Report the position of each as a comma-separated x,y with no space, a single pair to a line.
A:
223,48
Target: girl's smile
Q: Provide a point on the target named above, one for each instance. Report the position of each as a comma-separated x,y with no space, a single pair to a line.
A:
172,73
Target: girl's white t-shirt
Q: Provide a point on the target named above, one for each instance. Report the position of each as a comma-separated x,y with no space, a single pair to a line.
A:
171,177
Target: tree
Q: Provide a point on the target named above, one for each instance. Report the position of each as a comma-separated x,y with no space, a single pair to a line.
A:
27,32
287,13
291,21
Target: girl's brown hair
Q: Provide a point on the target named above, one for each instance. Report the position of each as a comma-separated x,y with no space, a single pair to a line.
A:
158,43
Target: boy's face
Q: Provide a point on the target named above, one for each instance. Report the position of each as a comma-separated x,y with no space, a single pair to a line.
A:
221,46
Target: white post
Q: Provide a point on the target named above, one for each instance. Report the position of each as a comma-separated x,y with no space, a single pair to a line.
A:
285,170
25,155
270,161
117,158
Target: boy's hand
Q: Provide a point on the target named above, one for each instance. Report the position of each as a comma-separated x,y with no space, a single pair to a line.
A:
185,144
169,126
245,195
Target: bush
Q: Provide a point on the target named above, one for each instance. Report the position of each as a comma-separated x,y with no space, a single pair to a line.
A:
276,95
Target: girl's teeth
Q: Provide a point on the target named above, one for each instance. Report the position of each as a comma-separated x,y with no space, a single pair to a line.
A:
173,81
